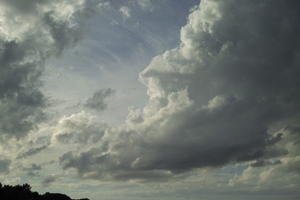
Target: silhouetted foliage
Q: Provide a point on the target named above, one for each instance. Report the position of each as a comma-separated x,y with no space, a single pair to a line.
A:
23,192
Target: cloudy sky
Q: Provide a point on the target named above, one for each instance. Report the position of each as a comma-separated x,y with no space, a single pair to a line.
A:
151,99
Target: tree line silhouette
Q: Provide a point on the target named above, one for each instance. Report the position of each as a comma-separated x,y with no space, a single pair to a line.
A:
23,192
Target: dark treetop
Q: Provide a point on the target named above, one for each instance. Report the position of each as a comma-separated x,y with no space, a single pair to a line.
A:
23,192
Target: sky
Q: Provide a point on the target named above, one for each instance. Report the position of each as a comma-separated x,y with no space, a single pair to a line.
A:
151,99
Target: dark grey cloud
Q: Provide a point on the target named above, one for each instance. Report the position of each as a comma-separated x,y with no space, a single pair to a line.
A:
21,102
49,180
102,167
24,7
219,98
262,163
33,169
4,166
99,99
32,151
31,32
33,147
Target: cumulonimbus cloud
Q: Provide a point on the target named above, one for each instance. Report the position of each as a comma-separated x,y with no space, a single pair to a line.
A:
221,97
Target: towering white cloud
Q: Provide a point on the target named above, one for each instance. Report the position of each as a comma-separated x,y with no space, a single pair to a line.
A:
221,97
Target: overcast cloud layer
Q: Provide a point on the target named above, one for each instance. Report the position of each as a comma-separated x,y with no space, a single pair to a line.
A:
221,118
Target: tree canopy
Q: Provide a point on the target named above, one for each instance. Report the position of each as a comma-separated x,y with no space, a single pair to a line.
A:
23,192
